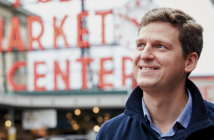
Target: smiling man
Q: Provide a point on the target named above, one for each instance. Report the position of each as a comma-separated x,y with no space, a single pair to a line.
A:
165,105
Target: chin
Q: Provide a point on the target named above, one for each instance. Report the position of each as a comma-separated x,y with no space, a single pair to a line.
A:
146,84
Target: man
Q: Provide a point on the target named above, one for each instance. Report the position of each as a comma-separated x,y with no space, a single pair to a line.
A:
165,104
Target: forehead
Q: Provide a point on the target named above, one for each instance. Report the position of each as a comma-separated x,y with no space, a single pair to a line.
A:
159,31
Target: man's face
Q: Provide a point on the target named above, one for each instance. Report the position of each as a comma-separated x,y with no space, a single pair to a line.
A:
158,60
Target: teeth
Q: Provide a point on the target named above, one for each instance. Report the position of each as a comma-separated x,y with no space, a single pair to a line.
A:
148,68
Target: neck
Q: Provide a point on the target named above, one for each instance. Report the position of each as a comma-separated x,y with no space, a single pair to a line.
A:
166,106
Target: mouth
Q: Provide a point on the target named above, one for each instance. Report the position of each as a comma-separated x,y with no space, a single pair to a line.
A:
148,68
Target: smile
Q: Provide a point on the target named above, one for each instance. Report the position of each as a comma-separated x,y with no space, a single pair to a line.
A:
148,68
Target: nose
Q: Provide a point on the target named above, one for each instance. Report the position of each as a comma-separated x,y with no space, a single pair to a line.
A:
147,53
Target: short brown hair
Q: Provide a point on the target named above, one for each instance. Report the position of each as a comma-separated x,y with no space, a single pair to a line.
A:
190,32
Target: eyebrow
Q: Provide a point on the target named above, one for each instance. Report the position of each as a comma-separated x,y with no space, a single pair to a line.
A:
139,40
164,42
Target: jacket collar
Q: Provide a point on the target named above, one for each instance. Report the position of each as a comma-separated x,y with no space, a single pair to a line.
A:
199,111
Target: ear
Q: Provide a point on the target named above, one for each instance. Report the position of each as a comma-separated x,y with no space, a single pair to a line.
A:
191,62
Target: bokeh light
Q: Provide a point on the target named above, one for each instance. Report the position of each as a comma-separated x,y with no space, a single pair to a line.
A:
8,123
77,112
75,126
96,128
99,119
96,109
68,115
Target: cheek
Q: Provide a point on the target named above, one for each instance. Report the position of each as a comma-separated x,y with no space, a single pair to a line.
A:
135,62
136,58
172,63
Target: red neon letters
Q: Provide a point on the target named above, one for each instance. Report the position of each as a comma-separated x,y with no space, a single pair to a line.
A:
124,75
103,14
104,72
15,42
17,2
58,31
81,31
30,20
11,73
65,76
85,62
15,38
44,1
37,76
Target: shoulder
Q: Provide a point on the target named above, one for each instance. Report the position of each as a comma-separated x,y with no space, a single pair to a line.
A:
110,128
209,106
210,109
115,121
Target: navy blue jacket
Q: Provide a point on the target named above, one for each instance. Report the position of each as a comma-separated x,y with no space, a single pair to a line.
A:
131,125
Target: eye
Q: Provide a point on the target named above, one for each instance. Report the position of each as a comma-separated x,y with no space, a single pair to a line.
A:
161,46
141,45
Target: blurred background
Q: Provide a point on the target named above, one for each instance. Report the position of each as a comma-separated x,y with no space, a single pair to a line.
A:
66,65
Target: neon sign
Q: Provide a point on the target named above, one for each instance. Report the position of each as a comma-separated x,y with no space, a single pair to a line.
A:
15,41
